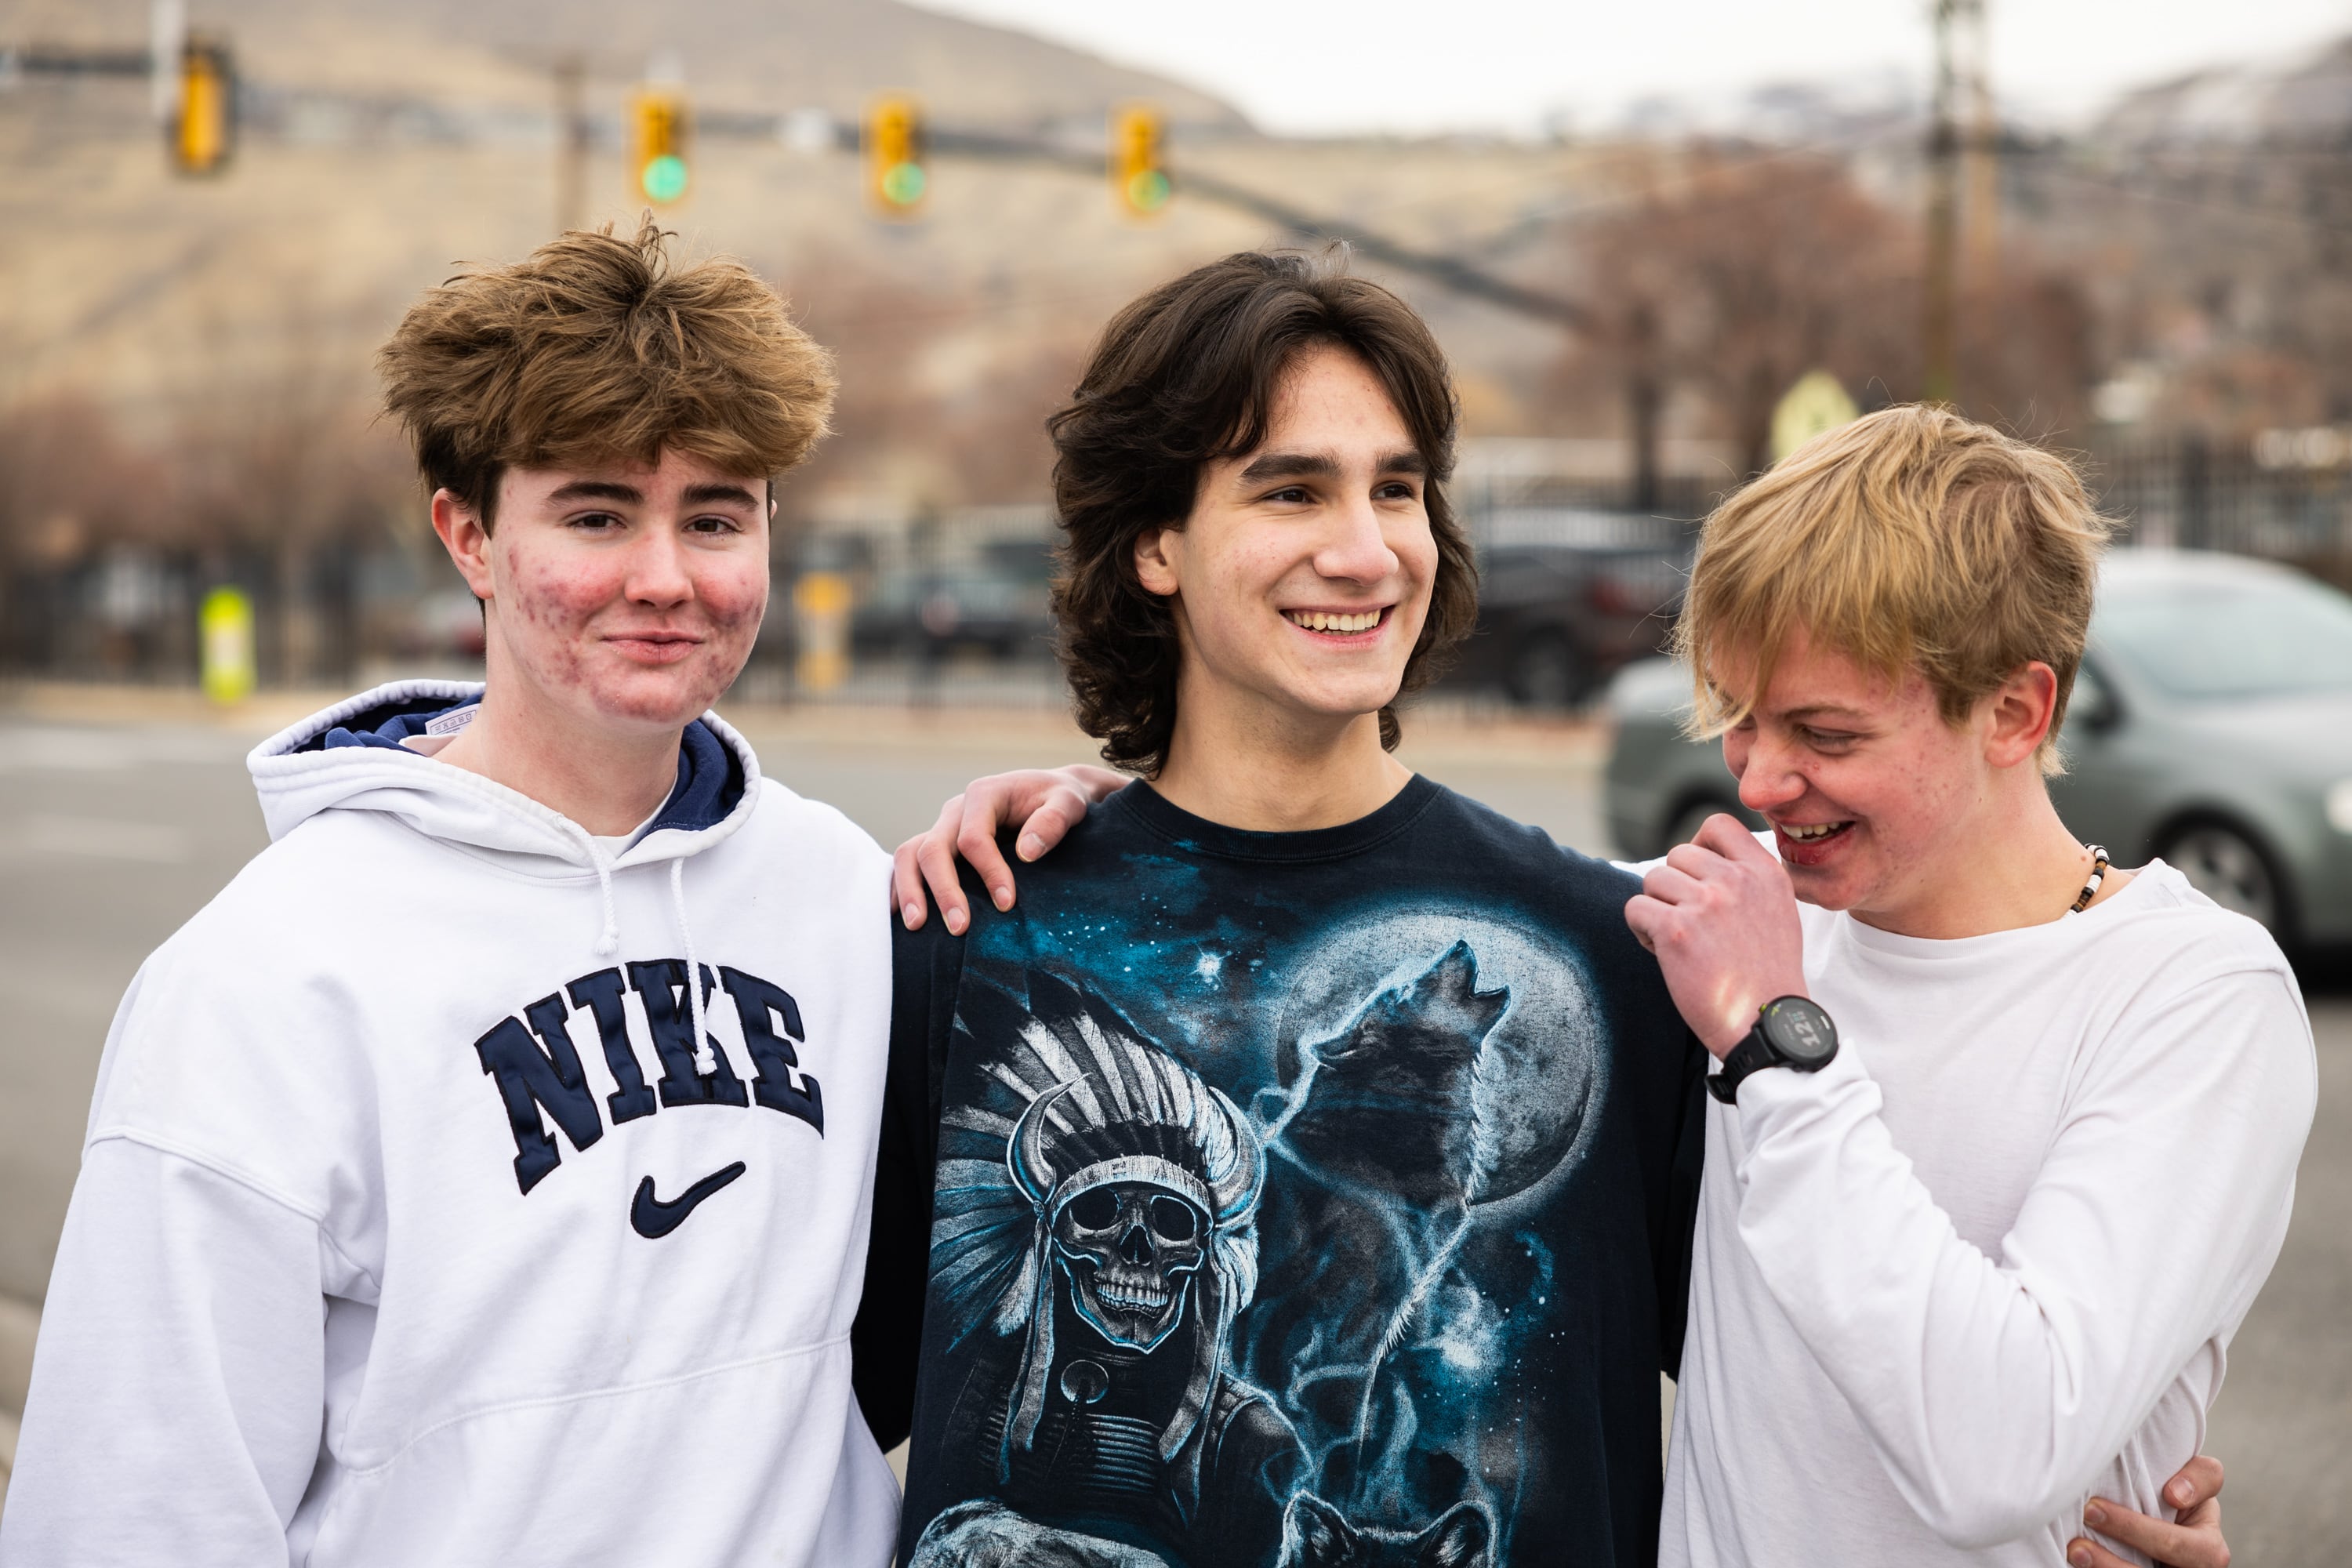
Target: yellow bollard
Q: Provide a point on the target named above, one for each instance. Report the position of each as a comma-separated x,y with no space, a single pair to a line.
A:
822,599
225,627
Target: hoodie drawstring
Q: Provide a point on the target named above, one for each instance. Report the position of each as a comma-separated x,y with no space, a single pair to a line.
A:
706,1061
608,941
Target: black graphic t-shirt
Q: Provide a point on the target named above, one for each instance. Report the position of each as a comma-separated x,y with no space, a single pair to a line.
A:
1254,1199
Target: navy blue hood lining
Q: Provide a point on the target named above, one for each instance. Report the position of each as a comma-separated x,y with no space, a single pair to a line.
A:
709,774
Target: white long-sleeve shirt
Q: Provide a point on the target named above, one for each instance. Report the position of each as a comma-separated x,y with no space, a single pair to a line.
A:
1988,1263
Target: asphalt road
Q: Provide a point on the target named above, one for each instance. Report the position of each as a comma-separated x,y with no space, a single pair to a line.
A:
119,818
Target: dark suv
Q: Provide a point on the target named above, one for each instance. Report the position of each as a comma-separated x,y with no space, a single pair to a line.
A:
1566,598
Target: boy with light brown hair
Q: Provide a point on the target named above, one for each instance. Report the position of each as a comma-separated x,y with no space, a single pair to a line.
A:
2004,1139
483,1176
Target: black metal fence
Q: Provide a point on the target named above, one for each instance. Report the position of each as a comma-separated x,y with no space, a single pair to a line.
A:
2286,496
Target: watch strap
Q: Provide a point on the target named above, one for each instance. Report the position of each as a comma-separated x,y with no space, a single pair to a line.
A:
1746,1057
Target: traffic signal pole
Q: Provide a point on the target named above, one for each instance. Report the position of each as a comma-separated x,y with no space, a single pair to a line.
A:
659,125
192,82
1453,273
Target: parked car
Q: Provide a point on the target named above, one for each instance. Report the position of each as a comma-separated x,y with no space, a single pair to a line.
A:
1566,598
996,604
2210,728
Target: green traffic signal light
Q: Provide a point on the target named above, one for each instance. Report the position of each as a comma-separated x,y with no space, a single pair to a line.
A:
902,183
1147,192
664,178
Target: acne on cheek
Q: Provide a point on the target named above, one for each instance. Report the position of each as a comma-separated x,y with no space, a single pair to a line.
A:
728,612
554,594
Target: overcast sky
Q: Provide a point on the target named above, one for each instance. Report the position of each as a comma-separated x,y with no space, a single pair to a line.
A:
1330,66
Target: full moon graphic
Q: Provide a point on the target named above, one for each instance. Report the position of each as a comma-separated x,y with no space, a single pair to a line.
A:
1539,1069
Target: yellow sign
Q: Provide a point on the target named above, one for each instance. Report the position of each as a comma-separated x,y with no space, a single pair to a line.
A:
823,599
1814,406
1139,179
225,633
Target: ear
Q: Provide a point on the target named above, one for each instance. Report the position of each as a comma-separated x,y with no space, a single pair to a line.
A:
2018,714
1158,553
1460,1539
1313,1529
468,542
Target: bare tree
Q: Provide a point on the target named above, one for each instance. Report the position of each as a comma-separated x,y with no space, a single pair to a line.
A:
1730,273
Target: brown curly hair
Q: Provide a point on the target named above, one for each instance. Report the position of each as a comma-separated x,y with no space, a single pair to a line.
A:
594,349
1186,376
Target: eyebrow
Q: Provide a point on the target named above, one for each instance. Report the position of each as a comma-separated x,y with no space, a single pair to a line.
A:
598,490
1323,466
698,495
613,490
1822,710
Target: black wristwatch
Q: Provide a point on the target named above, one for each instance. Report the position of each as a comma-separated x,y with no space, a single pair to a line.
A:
1789,1031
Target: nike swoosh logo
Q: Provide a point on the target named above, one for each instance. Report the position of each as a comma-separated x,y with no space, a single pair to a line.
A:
653,1218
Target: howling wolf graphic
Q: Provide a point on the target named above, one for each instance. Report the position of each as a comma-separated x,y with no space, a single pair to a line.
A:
1382,1319
1373,1171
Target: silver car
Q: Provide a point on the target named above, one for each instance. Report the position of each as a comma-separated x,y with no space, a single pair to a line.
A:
2210,728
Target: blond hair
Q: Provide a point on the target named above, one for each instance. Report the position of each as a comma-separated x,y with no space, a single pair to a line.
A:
595,349
1912,539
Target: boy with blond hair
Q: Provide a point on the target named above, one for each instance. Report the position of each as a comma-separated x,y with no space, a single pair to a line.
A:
2003,1140
482,1177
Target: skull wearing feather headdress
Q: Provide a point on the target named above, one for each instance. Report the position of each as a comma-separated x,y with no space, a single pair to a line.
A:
1141,1183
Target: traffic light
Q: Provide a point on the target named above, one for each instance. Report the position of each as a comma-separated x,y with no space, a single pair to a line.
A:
1139,175
658,124
895,176
204,130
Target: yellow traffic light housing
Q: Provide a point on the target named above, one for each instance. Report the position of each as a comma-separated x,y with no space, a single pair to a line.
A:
658,126
896,178
1138,172
204,132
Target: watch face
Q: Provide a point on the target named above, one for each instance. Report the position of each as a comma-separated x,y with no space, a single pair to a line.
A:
1801,1032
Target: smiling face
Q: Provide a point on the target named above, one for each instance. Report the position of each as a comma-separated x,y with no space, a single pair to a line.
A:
1876,803
1302,577
624,598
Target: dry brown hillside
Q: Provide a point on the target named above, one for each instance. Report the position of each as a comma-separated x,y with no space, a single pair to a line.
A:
390,142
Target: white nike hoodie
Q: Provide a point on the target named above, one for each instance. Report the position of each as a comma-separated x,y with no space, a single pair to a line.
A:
414,1228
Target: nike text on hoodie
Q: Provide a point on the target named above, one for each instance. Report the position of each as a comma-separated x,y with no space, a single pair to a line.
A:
459,1192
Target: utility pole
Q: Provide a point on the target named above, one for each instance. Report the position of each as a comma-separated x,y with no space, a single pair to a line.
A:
1938,306
167,41
571,143
1963,71
1983,154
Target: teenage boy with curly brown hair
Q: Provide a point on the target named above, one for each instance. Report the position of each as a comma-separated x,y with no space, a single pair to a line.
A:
1300,1172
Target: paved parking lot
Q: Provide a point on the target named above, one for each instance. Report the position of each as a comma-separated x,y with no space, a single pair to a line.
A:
121,814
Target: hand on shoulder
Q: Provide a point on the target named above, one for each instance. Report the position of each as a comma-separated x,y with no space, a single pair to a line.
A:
1046,803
